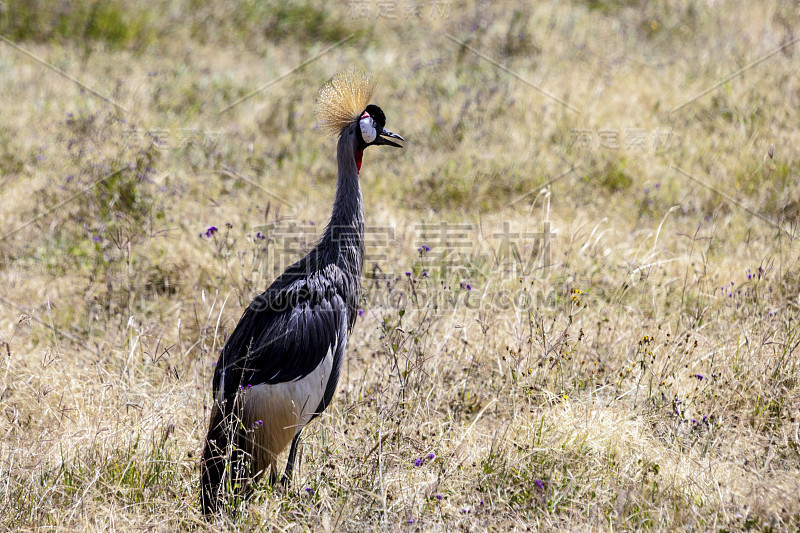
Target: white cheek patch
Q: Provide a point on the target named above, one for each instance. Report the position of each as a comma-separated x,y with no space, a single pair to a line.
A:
368,132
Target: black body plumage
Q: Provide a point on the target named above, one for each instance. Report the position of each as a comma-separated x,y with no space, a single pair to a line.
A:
286,331
287,349
285,334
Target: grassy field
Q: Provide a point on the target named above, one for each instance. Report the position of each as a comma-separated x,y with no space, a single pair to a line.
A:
581,299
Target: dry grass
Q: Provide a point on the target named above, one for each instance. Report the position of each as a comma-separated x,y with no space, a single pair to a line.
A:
637,371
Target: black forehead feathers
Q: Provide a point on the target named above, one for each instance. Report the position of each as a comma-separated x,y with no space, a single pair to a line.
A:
377,114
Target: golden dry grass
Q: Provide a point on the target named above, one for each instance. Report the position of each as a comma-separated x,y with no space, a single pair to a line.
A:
635,371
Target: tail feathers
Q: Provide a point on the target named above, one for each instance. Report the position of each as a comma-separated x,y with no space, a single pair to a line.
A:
225,466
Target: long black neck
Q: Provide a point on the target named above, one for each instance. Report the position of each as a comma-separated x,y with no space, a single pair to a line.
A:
343,241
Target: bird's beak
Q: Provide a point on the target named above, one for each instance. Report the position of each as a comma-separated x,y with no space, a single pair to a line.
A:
383,138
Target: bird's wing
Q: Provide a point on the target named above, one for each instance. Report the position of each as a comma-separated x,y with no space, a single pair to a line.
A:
285,333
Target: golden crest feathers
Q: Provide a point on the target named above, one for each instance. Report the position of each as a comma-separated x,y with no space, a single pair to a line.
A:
342,100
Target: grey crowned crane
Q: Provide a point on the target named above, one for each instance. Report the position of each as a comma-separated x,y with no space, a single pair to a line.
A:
280,366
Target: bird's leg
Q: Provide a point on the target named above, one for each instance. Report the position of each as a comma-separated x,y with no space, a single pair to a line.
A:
287,474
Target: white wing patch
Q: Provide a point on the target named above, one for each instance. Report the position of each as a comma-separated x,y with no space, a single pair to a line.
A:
277,412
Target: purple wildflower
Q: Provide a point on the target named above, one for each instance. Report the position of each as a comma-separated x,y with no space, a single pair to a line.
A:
410,521
438,496
469,287
698,376
211,231
96,238
417,462
431,455
309,490
539,484
360,312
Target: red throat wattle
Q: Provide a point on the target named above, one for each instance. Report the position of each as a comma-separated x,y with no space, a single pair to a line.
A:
359,155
